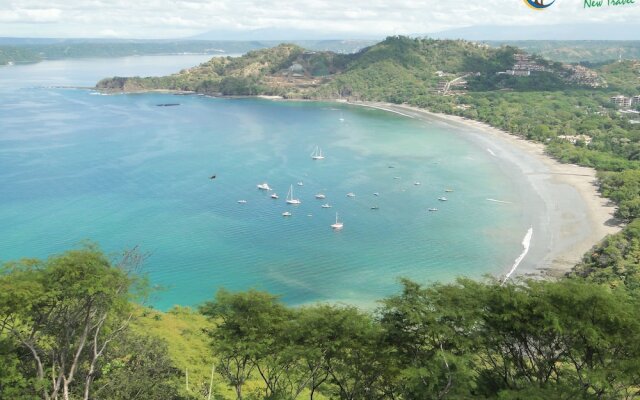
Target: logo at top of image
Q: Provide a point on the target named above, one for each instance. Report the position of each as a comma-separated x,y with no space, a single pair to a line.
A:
538,4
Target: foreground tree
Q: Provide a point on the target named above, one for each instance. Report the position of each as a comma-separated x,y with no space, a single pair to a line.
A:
137,367
432,332
64,312
247,326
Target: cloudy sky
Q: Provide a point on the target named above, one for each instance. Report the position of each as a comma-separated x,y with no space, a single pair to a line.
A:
349,18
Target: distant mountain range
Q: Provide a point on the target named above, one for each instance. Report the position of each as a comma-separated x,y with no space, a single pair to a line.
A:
593,31
602,31
282,34
599,31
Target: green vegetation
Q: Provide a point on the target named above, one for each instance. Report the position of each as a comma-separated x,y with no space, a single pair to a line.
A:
20,52
623,76
70,331
575,51
16,55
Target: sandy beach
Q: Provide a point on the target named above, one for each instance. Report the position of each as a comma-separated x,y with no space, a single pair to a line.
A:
568,215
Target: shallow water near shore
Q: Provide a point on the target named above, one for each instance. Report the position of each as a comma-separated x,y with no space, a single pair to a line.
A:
121,171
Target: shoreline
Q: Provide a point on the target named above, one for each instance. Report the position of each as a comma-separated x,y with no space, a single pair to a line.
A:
569,216
575,216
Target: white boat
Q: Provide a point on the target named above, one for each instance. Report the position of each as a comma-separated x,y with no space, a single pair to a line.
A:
338,224
286,214
442,198
375,208
396,177
290,199
300,183
264,186
242,201
274,196
433,209
317,154
320,196
448,190
376,194
326,205
351,195
417,183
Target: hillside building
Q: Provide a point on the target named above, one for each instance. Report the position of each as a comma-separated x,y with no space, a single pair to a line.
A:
622,101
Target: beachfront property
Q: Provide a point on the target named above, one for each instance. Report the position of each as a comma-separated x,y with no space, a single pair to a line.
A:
523,66
573,139
516,72
622,101
525,63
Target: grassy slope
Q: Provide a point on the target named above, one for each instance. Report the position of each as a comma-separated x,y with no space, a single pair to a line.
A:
182,328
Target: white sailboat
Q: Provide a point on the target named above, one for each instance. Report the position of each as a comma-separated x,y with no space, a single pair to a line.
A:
338,224
290,199
317,154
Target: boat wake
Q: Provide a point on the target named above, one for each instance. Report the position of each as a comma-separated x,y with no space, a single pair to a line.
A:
526,243
500,201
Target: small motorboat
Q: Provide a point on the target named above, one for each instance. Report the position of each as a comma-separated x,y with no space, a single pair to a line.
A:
442,198
327,205
275,196
286,214
351,194
242,201
320,196
432,209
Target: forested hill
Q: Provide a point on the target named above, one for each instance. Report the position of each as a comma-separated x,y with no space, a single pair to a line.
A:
588,51
395,68
16,50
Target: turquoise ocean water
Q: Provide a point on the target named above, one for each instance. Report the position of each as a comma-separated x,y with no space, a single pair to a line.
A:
121,171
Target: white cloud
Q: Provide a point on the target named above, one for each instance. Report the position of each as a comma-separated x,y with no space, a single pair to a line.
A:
172,18
37,15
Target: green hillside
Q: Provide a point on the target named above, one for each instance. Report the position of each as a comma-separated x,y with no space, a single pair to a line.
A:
573,51
26,50
395,69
